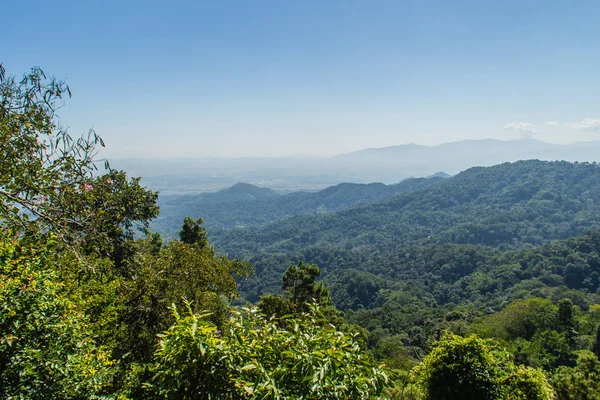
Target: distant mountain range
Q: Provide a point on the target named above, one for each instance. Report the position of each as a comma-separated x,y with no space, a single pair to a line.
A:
467,153
512,200
421,230
387,165
238,192
247,205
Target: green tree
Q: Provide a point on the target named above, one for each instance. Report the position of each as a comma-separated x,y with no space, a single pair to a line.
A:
255,358
177,271
596,347
520,319
581,382
115,207
300,290
72,328
566,318
46,347
48,180
42,165
301,287
192,232
474,368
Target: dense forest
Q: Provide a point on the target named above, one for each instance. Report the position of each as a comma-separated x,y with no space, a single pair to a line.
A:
245,205
485,285
514,203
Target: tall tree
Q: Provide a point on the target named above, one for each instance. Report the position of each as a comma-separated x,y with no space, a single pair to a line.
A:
300,292
192,232
566,319
596,348
301,287
48,180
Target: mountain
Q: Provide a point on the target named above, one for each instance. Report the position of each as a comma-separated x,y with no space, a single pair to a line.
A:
248,205
440,174
386,165
242,192
460,155
511,205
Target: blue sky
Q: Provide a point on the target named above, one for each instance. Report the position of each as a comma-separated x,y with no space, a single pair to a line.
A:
268,78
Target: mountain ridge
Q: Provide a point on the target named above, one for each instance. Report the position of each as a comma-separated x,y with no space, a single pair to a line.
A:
507,198
386,165
240,205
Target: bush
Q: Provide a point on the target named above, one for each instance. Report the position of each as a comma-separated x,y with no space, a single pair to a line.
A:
474,368
581,382
46,350
256,358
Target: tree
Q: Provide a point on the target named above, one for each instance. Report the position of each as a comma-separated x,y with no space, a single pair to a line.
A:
474,368
192,232
41,161
301,287
46,347
566,319
520,319
255,358
580,382
114,207
48,180
596,348
175,272
100,296
300,290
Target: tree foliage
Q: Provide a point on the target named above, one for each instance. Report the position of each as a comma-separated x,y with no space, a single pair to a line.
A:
473,368
300,290
43,166
46,347
47,178
596,347
581,382
192,232
255,358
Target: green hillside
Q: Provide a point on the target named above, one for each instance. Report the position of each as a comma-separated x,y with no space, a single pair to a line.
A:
506,205
485,285
245,205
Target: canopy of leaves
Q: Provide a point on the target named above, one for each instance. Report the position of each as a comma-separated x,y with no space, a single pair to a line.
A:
580,382
255,358
473,369
46,347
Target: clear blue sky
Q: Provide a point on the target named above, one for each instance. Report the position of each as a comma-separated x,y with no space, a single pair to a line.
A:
231,78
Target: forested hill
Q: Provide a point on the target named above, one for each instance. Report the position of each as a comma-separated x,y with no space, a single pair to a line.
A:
249,205
474,254
504,205
89,310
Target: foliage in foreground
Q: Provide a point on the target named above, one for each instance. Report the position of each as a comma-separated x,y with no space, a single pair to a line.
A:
257,359
46,347
581,382
473,369
82,301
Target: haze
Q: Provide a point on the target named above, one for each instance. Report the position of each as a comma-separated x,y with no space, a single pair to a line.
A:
272,78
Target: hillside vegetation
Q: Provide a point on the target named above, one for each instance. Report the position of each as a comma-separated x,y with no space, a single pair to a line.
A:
480,286
89,311
509,204
245,205
487,252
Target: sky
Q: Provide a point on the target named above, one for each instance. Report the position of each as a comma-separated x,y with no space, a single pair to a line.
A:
260,78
